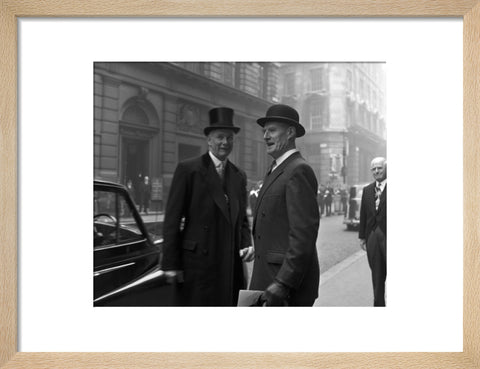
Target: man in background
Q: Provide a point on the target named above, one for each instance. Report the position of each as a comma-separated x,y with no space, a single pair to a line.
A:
145,194
373,227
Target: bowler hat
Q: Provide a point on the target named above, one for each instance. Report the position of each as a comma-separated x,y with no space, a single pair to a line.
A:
285,114
221,118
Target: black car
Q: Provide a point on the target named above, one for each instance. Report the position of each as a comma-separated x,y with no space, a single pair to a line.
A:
126,257
352,218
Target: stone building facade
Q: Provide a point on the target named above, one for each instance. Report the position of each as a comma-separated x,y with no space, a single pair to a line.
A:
149,116
342,106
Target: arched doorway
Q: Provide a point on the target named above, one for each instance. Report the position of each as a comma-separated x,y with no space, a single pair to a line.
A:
135,160
138,127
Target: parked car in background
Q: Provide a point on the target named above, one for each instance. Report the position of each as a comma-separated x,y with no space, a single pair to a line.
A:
352,218
126,258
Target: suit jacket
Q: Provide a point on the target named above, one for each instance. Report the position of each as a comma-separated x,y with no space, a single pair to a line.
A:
145,192
285,228
370,218
205,226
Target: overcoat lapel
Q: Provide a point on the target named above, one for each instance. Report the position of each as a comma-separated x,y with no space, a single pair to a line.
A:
371,197
271,178
231,179
383,197
214,185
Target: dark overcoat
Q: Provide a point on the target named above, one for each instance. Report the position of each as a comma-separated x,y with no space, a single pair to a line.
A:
285,228
369,216
373,229
205,226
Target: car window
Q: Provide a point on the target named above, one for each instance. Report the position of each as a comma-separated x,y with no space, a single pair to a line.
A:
113,221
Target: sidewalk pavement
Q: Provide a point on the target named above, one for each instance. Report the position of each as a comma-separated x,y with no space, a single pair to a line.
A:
348,283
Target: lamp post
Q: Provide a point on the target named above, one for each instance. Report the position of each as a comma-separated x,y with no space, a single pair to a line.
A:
344,156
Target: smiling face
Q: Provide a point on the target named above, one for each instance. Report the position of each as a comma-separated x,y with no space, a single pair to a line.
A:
220,143
279,137
379,169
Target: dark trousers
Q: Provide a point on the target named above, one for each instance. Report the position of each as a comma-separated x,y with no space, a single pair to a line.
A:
329,209
377,259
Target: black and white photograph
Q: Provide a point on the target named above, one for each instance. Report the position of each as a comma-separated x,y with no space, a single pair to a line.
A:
239,166
240,184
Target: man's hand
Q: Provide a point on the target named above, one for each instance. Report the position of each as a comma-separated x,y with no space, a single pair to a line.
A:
247,254
363,244
174,276
276,295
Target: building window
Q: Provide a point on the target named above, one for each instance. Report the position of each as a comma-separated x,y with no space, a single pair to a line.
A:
214,71
349,81
192,67
248,78
361,88
316,79
317,114
362,116
289,84
262,81
349,115
229,73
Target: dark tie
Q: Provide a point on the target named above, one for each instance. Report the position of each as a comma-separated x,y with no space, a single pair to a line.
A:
378,193
221,170
221,173
271,167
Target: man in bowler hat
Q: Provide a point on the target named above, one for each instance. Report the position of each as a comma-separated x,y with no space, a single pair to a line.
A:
206,229
286,217
373,227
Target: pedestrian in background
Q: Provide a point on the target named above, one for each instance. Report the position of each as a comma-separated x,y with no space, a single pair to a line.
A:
131,189
321,199
328,201
286,219
145,194
138,190
208,196
373,227
124,209
344,200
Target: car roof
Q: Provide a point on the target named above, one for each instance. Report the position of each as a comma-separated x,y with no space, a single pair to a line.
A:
361,185
107,183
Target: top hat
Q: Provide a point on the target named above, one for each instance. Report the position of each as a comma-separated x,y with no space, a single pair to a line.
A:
285,114
221,118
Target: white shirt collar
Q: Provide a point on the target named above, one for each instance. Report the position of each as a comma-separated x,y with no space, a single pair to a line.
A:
381,184
217,161
284,157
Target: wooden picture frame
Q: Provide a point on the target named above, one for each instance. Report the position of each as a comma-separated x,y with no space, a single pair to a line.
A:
10,10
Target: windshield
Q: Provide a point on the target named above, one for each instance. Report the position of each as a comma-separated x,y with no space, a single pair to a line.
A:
113,219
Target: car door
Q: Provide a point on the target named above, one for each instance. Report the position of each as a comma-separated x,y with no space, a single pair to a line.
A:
122,248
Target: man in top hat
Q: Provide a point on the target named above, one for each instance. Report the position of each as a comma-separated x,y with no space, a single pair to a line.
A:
286,217
206,229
